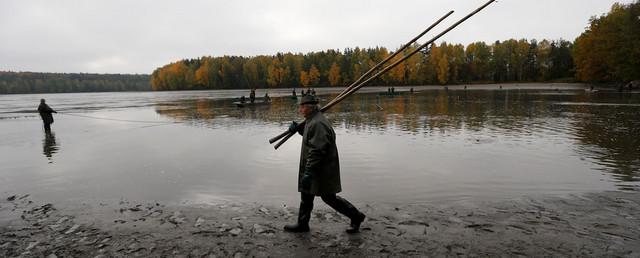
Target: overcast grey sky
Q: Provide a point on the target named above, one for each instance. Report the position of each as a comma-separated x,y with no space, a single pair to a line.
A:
127,36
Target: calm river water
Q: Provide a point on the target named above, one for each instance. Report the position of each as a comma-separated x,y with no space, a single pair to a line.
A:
434,145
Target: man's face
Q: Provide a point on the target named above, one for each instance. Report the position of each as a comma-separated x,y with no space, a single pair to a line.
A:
305,110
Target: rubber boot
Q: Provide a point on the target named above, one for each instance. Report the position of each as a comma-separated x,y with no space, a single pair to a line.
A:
354,226
346,208
304,215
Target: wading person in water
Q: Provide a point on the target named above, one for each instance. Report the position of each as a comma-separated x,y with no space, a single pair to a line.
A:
45,112
319,169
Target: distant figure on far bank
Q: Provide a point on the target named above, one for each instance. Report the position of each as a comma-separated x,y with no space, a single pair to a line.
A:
46,115
266,97
632,85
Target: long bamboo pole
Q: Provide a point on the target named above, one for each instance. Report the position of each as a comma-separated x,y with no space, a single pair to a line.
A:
373,69
405,46
360,85
426,44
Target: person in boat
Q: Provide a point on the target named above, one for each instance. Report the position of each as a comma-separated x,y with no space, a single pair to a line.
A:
46,115
312,91
303,93
266,97
393,90
252,95
319,168
242,99
293,94
411,90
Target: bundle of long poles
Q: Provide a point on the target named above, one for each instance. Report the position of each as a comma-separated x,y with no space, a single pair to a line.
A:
361,81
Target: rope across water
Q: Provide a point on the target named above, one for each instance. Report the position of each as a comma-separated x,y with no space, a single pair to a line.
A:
119,120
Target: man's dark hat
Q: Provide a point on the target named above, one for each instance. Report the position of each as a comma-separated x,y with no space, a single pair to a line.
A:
308,99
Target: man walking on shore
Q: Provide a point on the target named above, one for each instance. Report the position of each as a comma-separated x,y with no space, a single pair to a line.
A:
319,169
45,113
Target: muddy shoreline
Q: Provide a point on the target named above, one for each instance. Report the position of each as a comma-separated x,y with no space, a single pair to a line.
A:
589,225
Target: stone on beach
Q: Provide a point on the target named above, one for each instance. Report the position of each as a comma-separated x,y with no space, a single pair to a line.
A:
72,229
32,245
177,218
257,228
62,220
199,222
235,231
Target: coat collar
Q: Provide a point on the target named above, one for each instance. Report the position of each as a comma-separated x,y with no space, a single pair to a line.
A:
315,113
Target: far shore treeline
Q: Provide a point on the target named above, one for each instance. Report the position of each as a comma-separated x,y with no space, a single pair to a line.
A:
508,61
608,52
28,82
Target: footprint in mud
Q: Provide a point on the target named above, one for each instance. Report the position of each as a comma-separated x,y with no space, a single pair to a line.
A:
456,249
483,227
523,229
413,223
605,226
620,236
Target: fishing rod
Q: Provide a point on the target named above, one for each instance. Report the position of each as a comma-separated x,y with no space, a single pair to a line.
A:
360,85
373,69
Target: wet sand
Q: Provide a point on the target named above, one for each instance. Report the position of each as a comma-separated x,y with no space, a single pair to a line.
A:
591,225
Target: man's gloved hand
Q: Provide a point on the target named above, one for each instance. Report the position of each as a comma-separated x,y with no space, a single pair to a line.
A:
306,179
293,127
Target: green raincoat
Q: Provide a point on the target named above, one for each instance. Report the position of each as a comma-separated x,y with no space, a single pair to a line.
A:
319,154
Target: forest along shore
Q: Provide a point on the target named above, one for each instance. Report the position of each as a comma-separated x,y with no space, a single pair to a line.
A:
589,225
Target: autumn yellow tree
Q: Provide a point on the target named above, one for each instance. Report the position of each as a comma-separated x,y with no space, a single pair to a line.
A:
397,74
314,76
304,79
276,73
334,74
443,69
176,75
609,50
440,60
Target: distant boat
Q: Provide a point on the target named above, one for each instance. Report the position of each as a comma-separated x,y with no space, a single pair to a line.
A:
396,93
249,104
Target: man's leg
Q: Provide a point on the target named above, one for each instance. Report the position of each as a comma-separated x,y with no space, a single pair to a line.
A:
304,214
47,127
345,208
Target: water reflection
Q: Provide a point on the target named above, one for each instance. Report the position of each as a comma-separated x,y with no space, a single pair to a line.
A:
49,145
610,134
599,129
